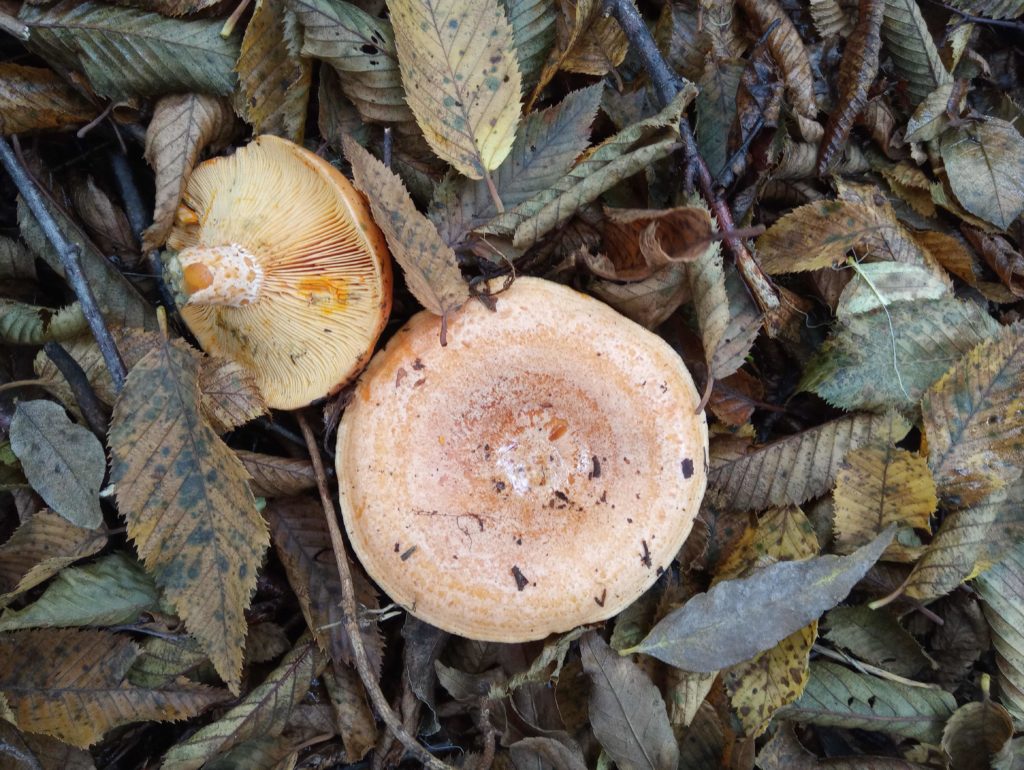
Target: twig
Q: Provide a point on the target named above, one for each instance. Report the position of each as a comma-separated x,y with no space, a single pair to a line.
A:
95,121
484,724
666,86
69,258
351,619
92,408
867,668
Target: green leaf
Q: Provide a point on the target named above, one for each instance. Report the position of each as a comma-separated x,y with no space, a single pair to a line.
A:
113,590
62,461
461,79
877,637
188,507
125,52
164,659
985,165
794,469
991,9
626,710
619,157
890,356
533,34
912,48
973,422
1003,602
431,269
739,618
24,324
715,108
40,548
361,49
263,712
546,145
836,696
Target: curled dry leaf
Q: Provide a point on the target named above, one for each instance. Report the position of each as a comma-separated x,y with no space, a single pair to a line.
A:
460,78
652,237
182,127
1005,261
38,99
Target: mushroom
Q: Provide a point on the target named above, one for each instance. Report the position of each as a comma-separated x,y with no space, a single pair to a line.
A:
280,267
538,473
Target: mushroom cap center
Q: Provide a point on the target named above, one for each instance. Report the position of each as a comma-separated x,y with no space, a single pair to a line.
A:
228,275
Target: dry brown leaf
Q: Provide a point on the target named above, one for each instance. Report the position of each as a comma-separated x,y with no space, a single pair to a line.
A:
106,221
183,126
38,99
273,476
431,270
975,735
950,251
734,398
354,719
1005,261
878,486
273,79
230,397
912,185
69,683
796,468
171,7
857,71
654,238
648,302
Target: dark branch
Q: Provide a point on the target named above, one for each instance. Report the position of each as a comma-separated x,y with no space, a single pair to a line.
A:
69,258
93,410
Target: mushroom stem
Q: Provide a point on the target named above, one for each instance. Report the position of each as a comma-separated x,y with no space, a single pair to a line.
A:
351,619
216,275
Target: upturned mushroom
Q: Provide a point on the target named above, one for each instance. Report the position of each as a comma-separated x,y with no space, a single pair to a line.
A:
538,473
280,267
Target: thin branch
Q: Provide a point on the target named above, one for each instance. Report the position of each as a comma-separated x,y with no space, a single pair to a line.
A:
69,257
666,86
92,408
351,618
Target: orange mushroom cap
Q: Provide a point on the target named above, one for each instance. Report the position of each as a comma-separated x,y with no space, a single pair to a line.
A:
280,267
538,473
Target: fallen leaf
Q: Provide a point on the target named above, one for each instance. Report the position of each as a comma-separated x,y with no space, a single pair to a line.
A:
63,462
975,735
985,165
739,618
272,476
1003,602
913,51
37,99
876,636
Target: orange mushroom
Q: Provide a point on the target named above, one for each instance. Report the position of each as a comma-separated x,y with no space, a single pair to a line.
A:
538,473
280,267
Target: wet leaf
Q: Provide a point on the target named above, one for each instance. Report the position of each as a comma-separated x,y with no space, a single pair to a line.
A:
125,52
1003,602
164,660
1005,261
38,99
263,712
112,590
891,355
792,470
992,9
879,486
183,125
877,637
40,548
715,107
838,696
972,420
273,80
63,462
985,165
627,712
739,618
430,267
70,684
913,51
460,78
187,504
975,734
657,237
352,715
533,33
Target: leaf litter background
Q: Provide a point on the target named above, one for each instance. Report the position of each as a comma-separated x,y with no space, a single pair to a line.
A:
817,203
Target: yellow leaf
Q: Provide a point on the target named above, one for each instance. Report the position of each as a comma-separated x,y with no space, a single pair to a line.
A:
188,506
69,683
461,78
878,486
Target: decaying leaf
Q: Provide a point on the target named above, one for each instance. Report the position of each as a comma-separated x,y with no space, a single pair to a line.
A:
187,504
650,301
70,684
795,469
42,751
839,696
272,476
739,618
533,33
164,660
881,284
626,710
972,420
430,267
125,52
1003,601
878,486
183,125
263,712
657,237
40,548
231,396
914,54
63,461
1005,261
23,324
985,165
460,78
876,636
273,79
975,735
112,590
37,99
